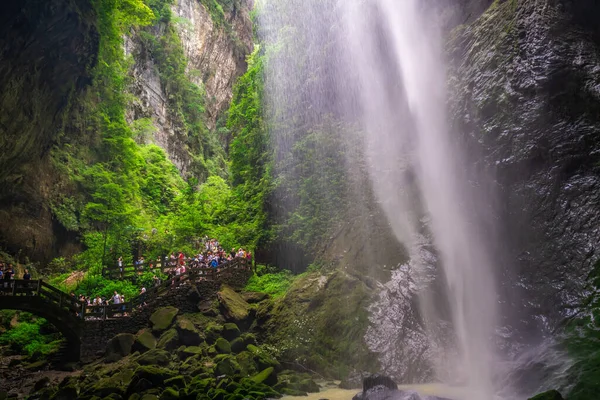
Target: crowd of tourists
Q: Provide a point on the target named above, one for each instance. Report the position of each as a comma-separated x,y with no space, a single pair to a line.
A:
8,275
177,264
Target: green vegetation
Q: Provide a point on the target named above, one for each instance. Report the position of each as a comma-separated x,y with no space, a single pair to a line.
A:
582,343
30,335
276,284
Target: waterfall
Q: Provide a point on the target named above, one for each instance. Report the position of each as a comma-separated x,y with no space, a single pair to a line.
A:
384,66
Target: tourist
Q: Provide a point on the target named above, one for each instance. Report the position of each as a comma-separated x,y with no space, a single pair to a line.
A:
143,297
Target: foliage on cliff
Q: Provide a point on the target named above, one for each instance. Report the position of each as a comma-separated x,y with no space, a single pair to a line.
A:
121,193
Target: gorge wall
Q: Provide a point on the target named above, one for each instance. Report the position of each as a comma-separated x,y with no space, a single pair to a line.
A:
525,90
46,49
48,54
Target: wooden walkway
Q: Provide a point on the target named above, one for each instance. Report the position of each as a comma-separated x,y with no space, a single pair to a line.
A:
19,290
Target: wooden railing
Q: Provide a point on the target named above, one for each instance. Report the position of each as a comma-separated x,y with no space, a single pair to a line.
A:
76,308
194,274
166,266
20,287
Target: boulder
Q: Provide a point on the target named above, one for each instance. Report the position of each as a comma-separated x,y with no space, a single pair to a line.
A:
154,374
115,384
176,382
246,362
266,376
119,347
169,340
549,395
232,305
222,346
169,394
226,365
144,341
213,332
154,357
41,384
377,387
254,297
188,334
238,345
208,308
262,358
162,318
230,331
186,352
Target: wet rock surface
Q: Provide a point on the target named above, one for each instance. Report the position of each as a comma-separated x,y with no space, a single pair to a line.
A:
378,387
525,90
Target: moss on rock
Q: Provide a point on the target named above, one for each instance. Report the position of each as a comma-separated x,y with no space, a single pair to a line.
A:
144,341
154,357
226,365
154,374
230,331
266,376
188,334
233,306
169,394
162,318
262,358
223,346
119,346
169,340
213,332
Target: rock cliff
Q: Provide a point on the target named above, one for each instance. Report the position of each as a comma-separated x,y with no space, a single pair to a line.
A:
46,50
525,90
215,50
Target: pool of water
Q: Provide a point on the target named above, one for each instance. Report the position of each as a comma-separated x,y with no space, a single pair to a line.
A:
434,389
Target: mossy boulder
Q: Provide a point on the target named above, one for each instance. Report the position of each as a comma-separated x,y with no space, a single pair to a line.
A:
266,376
246,362
154,357
67,389
144,341
154,374
162,318
119,347
255,297
176,382
138,385
549,395
226,365
169,394
169,340
238,345
213,332
230,331
262,358
232,305
223,346
115,384
186,352
149,396
188,334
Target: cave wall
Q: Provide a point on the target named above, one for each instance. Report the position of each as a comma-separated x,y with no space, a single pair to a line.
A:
525,94
46,50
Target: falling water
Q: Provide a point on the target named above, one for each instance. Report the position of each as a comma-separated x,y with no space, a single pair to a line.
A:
420,134
389,77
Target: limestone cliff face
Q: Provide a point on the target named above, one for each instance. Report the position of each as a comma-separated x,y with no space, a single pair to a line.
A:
216,53
525,85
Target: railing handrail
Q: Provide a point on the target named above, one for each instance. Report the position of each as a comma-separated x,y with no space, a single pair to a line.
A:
81,310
